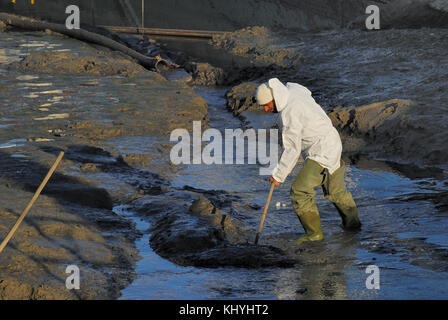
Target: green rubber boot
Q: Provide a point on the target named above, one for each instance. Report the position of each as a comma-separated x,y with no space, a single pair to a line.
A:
349,213
311,224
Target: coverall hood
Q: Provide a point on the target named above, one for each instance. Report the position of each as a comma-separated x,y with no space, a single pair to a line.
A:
281,93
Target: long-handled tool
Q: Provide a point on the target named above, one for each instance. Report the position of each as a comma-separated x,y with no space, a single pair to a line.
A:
266,206
30,204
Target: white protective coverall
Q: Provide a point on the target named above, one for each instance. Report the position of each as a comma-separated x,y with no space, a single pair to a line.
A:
306,127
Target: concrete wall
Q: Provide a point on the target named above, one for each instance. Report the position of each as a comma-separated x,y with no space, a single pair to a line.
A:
199,14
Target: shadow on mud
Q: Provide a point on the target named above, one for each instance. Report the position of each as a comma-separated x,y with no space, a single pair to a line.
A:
49,243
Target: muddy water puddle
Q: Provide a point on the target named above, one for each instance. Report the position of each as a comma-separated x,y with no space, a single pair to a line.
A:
202,50
407,240
160,279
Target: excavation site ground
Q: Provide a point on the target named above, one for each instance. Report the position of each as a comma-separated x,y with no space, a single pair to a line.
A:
140,227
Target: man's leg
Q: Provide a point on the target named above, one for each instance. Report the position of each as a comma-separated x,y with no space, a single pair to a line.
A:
336,192
302,196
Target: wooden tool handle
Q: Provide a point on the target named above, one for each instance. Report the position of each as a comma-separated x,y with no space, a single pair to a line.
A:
30,204
260,227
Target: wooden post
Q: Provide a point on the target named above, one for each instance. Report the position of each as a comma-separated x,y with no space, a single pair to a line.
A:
143,16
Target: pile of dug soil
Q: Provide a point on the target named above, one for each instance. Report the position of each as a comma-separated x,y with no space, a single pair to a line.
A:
261,45
242,97
395,129
99,63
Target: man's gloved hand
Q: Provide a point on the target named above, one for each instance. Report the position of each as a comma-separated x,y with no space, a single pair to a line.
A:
275,182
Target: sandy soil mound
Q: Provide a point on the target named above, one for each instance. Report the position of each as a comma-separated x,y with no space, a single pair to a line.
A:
242,97
100,63
262,46
205,74
3,26
393,129
61,231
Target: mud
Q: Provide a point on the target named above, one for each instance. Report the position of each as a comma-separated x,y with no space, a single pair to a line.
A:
242,98
99,64
115,132
261,45
401,118
57,233
3,26
60,105
400,14
218,239
390,129
205,74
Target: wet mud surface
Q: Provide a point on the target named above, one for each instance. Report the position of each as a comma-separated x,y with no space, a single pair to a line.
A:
399,198
140,227
378,67
403,234
79,111
395,79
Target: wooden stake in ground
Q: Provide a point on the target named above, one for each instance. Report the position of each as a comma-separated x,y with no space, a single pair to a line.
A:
30,204
143,17
266,206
